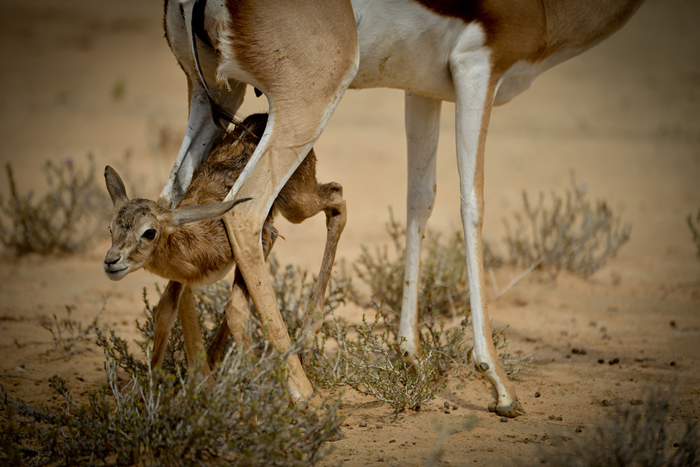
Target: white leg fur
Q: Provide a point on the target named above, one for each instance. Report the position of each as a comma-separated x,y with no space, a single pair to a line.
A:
200,136
470,66
422,131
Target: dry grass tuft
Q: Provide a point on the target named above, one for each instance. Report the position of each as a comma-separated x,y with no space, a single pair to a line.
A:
64,220
569,233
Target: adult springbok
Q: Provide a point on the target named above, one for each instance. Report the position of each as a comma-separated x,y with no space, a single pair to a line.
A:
304,54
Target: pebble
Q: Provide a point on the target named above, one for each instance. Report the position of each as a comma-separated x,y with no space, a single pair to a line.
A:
552,417
380,426
613,361
363,424
560,418
601,361
579,430
606,403
455,407
504,420
636,402
537,394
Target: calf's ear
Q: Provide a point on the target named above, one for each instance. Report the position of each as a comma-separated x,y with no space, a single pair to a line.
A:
204,212
115,186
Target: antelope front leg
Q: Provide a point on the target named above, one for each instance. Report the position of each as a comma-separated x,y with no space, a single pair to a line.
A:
191,332
304,76
422,131
475,87
244,237
235,320
166,314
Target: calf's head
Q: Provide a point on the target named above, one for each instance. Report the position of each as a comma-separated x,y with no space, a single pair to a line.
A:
138,225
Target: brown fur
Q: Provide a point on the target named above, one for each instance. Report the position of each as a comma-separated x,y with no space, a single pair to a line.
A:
191,253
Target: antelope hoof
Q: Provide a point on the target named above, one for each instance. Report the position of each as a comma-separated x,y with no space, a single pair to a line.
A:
511,410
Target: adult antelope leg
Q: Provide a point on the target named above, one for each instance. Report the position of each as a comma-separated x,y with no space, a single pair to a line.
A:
236,309
201,135
304,75
422,131
278,161
475,88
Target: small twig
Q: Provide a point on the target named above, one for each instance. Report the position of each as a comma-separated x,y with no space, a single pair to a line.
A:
495,283
519,277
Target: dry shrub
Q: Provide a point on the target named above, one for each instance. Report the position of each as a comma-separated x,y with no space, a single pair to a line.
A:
569,233
171,416
443,288
159,418
695,231
651,435
64,220
67,332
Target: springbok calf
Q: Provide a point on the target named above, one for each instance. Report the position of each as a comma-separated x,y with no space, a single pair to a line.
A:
304,54
189,246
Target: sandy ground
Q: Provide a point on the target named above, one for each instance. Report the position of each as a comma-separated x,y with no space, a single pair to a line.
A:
624,117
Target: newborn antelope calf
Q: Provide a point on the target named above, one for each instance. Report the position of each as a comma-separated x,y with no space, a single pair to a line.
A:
189,246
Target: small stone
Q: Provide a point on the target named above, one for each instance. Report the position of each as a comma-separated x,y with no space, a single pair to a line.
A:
446,411
601,361
504,420
537,394
567,355
380,426
614,361
560,418
579,430
455,407
672,324
363,424
673,364
606,403
446,405
552,417
392,441
675,445
636,402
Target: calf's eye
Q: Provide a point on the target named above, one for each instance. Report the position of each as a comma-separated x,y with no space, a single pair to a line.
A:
149,234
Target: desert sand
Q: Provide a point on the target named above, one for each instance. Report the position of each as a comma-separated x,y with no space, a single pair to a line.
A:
624,117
